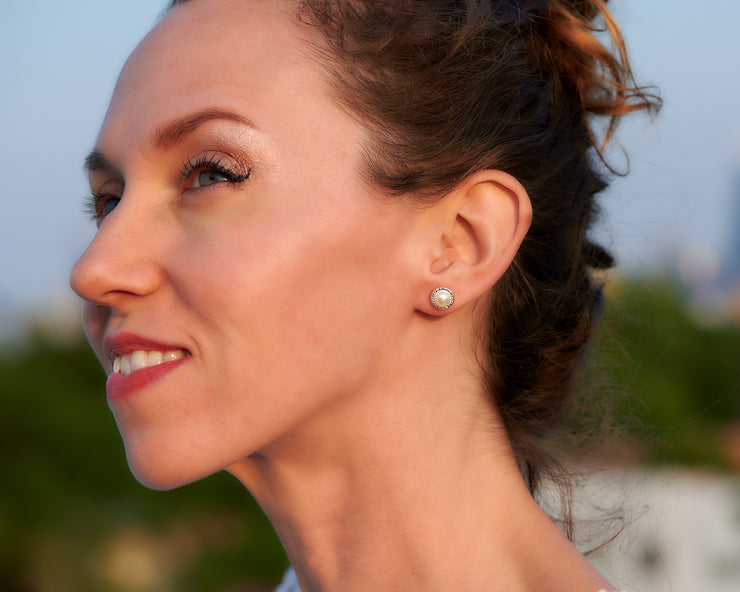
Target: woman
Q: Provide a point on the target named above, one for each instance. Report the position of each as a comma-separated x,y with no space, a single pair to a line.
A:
341,254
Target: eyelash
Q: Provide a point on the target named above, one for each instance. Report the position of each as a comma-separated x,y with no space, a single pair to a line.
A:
189,169
213,163
90,205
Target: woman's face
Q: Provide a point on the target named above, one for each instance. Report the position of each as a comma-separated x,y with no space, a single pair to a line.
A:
236,244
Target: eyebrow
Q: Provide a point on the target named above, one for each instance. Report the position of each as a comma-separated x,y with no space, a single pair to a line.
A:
179,128
170,134
97,161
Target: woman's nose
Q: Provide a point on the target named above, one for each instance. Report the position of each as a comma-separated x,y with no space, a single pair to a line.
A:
120,263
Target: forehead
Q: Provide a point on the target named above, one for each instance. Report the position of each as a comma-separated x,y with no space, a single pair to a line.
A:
232,54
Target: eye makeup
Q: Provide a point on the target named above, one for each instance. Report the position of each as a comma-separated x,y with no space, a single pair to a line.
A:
206,170
196,173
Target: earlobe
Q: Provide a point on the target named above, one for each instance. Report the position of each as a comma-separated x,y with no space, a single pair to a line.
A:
485,220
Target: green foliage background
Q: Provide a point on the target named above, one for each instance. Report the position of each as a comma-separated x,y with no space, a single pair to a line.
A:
73,519
675,374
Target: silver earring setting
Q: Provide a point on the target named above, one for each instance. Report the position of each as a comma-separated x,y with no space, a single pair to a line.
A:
442,298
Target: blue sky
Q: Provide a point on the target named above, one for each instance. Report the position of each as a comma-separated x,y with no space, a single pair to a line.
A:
60,60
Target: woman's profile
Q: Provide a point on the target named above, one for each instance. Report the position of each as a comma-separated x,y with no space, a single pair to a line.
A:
342,254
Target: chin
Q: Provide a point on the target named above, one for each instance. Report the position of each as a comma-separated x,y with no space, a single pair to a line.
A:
158,482
162,474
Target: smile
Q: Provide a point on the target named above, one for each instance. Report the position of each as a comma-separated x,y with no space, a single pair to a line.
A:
129,363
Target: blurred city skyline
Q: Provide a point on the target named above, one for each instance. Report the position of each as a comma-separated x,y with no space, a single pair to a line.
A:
677,209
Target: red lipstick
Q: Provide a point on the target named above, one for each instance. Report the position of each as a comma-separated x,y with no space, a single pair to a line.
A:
122,385
118,386
125,343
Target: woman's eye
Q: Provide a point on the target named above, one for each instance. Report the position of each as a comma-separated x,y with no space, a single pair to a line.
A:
107,205
210,170
99,205
205,178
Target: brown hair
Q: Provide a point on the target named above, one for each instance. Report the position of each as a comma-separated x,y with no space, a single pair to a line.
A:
448,87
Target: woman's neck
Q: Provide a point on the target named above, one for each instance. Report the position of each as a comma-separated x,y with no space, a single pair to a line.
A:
410,485
421,510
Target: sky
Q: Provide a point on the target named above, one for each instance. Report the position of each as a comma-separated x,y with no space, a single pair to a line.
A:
60,60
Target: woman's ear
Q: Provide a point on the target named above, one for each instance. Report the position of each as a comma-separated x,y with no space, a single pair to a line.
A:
476,231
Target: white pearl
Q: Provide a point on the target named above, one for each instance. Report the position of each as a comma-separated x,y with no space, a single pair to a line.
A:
442,298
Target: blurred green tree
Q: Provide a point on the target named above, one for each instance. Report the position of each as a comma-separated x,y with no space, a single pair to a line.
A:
675,373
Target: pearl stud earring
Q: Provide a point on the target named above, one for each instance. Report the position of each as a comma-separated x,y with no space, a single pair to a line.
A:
442,298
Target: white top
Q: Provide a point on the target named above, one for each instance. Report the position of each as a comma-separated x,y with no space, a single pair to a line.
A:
290,583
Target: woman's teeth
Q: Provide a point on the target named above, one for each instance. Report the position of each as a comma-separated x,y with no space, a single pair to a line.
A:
128,363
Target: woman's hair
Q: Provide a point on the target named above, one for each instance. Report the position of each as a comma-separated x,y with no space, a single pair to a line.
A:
448,87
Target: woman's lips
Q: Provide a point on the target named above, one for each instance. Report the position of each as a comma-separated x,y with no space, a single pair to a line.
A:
138,362
121,385
127,343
